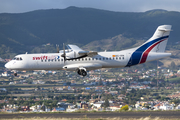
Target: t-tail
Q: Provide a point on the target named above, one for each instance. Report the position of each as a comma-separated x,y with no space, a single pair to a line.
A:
152,49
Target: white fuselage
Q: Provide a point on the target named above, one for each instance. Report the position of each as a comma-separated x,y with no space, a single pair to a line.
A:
54,61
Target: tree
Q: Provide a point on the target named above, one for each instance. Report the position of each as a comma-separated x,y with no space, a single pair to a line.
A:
43,108
19,108
106,103
173,65
100,82
124,108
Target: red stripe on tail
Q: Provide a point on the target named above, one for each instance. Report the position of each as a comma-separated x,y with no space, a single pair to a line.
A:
145,54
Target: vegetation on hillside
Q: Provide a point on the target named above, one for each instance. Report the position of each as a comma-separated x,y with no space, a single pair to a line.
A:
22,31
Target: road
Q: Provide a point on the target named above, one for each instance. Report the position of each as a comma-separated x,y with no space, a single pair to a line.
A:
152,114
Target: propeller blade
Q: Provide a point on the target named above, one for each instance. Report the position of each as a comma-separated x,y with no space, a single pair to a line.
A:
57,46
64,54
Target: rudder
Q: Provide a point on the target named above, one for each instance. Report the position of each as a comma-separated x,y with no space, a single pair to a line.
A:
161,36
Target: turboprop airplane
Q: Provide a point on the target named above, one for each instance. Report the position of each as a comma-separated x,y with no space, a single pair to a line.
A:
76,59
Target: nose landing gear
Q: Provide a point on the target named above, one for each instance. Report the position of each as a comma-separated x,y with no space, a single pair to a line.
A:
15,74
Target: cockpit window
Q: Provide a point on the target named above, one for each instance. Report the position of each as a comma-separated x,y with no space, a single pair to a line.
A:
17,58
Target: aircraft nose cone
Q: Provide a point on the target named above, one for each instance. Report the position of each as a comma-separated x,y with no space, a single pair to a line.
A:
7,65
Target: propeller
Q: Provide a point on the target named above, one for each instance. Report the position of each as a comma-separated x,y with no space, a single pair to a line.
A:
57,46
64,53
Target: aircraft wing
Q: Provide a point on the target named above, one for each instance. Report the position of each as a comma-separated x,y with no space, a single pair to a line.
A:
74,48
81,52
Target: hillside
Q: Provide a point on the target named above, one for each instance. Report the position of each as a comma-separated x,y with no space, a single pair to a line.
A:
21,32
118,42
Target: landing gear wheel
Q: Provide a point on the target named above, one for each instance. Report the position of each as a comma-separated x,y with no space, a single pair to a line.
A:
83,73
15,74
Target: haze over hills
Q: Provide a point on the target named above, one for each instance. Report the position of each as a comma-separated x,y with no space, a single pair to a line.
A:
81,26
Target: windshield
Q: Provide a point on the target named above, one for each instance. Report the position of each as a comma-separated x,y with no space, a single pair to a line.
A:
17,58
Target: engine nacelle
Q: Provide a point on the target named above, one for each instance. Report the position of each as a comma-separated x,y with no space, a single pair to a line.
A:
72,54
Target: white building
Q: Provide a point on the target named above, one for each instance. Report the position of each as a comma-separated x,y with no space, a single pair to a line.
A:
166,107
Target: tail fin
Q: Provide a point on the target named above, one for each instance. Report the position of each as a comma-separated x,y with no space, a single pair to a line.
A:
159,40
156,44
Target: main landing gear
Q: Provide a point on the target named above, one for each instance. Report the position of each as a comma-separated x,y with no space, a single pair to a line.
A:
82,72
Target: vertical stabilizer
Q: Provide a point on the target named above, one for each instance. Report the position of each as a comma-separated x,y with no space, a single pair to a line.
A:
156,44
159,40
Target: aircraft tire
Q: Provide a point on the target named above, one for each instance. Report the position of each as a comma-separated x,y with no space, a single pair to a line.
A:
83,73
79,72
15,74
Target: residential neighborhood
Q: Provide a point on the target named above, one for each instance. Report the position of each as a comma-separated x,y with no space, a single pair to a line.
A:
102,90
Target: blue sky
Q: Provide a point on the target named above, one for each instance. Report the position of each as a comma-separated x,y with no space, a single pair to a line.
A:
21,6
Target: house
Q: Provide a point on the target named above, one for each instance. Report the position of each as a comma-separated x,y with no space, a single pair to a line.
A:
166,107
113,92
97,104
71,110
157,106
84,105
174,96
178,107
114,108
6,74
58,109
25,108
33,108
121,96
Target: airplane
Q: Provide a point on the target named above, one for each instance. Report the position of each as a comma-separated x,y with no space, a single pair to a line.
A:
76,59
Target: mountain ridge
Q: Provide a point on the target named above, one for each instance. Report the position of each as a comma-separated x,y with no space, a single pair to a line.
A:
73,25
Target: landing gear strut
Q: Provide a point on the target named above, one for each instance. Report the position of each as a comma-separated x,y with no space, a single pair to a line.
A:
82,72
15,74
